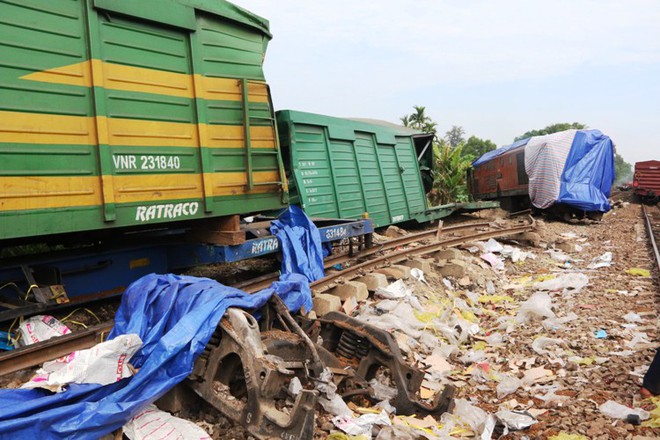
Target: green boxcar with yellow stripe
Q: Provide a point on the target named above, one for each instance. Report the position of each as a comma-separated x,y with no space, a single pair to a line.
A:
121,113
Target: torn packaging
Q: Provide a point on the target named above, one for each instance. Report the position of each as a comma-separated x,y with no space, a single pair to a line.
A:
175,317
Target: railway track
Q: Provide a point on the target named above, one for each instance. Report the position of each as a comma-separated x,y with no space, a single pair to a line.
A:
39,353
652,222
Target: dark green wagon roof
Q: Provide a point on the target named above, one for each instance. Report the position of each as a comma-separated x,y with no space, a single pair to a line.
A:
181,13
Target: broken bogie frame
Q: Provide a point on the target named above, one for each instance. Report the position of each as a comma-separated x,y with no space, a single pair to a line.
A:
248,366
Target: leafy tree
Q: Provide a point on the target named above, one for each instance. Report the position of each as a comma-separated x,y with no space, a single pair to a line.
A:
554,128
449,165
455,136
475,147
623,170
449,174
419,120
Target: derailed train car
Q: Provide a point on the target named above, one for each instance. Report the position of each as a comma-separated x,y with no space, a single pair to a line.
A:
120,114
569,173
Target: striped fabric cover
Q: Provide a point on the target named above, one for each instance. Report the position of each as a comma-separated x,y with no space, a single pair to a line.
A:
545,158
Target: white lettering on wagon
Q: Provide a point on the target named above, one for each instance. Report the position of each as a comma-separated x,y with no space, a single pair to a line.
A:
268,245
166,211
146,162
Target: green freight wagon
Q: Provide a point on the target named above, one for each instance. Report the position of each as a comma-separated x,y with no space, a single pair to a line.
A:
121,113
348,168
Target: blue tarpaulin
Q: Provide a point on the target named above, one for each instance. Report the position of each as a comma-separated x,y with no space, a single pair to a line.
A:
175,317
300,242
498,152
583,176
589,172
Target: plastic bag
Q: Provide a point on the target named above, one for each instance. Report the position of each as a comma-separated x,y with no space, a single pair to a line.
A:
632,317
604,260
507,386
537,305
495,262
493,246
154,424
40,328
515,420
396,290
637,339
361,425
418,274
568,283
558,323
471,415
618,411
541,343
105,363
382,391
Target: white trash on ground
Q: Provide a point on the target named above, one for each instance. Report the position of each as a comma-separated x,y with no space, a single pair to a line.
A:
105,363
604,260
515,420
361,426
537,305
618,411
507,386
154,424
396,290
541,344
40,328
495,262
568,283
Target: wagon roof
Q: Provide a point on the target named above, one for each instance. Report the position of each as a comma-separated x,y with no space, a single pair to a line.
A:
231,11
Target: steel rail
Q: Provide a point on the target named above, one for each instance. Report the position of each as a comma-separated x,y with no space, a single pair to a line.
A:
649,228
402,255
264,281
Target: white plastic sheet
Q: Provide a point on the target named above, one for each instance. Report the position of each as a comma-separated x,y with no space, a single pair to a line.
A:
105,363
40,328
154,424
567,283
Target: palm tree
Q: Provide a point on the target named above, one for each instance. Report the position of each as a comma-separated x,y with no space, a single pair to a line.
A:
419,120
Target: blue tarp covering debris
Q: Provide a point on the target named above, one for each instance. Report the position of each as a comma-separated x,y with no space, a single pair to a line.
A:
175,317
499,151
589,172
584,168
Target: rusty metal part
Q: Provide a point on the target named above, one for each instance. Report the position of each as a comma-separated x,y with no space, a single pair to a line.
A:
36,354
402,255
245,374
649,220
372,349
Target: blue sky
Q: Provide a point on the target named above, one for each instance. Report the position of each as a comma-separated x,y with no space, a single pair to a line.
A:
497,69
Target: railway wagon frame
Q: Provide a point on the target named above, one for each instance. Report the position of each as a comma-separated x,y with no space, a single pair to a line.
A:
118,113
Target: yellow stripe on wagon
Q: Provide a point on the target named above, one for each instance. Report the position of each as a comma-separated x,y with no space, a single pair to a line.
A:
39,128
160,82
30,193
